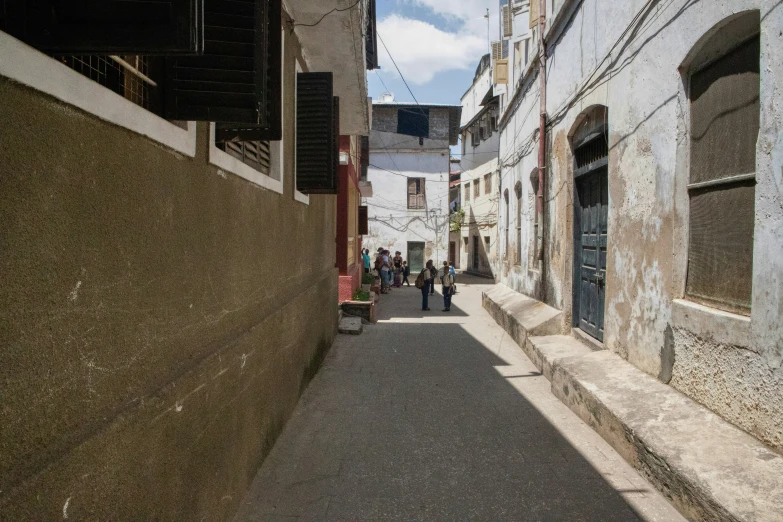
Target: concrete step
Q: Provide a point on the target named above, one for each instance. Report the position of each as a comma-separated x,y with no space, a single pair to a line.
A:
519,315
547,350
710,469
707,467
350,325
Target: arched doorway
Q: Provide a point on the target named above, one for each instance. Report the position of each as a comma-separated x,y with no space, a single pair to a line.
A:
590,142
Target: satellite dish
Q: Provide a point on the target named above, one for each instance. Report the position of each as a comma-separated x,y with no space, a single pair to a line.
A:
387,97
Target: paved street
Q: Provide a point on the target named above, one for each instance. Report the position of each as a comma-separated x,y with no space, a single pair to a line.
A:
440,416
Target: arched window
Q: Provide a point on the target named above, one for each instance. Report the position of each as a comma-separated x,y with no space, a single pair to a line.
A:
518,193
505,197
723,90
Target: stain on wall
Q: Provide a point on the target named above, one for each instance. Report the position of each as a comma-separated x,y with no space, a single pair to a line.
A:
151,313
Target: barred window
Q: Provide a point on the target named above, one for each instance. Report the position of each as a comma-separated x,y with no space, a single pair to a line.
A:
476,188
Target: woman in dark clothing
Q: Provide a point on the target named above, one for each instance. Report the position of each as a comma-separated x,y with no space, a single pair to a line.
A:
397,261
406,271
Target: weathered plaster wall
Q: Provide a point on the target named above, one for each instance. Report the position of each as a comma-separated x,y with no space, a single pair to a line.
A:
152,345
392,224
640,82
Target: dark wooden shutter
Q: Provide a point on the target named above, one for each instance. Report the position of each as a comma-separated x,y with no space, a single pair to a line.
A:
364,225
371,38
238,78
365,159
136,27
316,143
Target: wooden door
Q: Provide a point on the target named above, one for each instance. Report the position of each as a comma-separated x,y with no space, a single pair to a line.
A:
475,253
453,253
590,242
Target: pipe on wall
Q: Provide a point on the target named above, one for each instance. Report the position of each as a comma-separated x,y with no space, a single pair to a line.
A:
542,128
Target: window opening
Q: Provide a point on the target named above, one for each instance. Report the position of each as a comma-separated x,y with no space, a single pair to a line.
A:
476,188
467,192
255,154
488,183
518,191
416,193
724,105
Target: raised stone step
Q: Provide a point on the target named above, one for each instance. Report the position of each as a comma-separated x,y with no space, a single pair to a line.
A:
710,469
350,325
545,351
519,315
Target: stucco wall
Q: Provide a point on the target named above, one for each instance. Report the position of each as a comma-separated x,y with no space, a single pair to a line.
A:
151,313
642,86
392,225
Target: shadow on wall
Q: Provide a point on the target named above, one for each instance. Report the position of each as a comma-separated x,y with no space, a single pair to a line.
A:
478,255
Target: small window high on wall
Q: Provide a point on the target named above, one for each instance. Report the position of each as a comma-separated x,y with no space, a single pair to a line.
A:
724,121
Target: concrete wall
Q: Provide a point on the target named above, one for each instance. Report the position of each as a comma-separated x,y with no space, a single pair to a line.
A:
740,376
151,313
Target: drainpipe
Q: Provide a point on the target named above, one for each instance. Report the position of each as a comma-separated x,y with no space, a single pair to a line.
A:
542,127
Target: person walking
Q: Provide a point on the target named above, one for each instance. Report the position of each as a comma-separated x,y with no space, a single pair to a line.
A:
406,271
366,259
454,274
424,282
447,280
386,269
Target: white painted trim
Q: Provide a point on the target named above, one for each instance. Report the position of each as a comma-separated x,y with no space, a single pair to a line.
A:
23,64
298,196
231,164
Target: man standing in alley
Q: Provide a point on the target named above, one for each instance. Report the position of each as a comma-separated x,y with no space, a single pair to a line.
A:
447,280
424,283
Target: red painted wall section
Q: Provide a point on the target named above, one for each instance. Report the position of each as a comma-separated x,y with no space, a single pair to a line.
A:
350,278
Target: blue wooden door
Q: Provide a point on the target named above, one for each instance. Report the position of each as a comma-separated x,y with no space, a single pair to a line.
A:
590,238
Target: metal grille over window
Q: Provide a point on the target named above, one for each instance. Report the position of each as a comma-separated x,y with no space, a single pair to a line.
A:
128,76
252,153
416,194
724,128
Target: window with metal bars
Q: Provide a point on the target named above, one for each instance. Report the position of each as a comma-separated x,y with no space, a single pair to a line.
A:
252,153
467,192
136,78
488,183
724,120
476,188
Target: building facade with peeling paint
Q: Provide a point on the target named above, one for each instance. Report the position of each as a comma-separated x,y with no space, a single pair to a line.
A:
661,231
409,171
476,243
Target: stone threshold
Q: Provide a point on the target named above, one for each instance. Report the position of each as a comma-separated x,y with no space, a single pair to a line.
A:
708,468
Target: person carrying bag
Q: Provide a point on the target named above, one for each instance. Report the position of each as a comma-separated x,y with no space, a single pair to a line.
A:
447,280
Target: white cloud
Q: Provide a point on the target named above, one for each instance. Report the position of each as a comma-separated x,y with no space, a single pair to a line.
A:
421,50
462,9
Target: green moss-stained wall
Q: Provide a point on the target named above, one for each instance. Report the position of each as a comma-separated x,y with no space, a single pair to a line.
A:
158,318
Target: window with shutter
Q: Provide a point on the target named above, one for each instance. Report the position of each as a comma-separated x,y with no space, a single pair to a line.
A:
414,122
497,51
488,184
371,38
416,194
476,188
238,77
317,140
501,72
130,27
364,226
724,104
467,192
252,153
508,28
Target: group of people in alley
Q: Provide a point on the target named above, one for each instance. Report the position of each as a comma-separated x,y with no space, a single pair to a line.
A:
393,272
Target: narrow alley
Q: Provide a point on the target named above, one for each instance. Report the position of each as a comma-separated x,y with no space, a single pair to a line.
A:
429,416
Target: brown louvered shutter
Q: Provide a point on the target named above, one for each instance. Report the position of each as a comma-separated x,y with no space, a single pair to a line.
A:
508,21
411,192
136,27
364,226
238,77
316,144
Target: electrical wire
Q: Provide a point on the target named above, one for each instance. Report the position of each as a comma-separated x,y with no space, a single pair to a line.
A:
335,10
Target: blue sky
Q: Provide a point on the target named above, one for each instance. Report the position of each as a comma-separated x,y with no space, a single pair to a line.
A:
437,45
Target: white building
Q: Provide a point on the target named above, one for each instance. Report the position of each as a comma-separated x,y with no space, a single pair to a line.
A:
477,218
659,232
409,171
